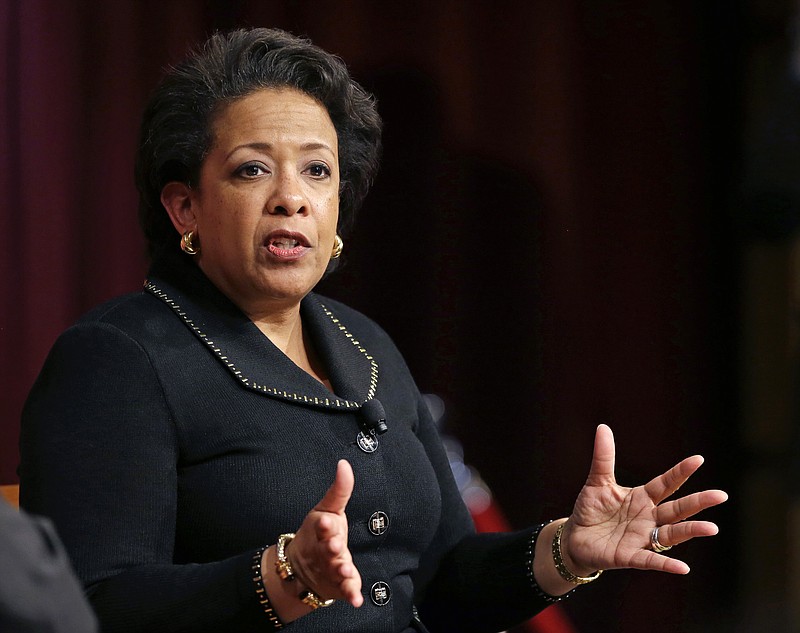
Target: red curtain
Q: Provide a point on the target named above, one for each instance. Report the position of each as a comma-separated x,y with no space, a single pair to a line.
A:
75,79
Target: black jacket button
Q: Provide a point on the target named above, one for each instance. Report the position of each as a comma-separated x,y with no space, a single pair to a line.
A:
378,523
380,593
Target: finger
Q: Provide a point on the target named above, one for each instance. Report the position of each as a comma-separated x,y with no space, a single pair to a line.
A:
602,468
343,582
338,570
334,547
331,577
335,500
347,570
351,589
669,535
329,526
688,506
663,486
648,560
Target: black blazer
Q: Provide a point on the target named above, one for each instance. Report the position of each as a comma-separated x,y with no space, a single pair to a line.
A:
168,439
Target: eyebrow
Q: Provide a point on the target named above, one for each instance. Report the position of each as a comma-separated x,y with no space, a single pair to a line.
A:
268,146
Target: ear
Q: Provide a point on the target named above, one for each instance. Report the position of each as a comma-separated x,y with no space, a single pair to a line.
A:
177,200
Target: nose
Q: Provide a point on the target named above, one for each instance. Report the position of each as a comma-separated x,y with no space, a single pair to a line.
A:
287,197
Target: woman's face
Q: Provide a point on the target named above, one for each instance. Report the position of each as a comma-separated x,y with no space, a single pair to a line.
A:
267,202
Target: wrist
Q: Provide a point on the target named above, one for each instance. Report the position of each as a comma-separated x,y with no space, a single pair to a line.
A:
285,571
545,573
568,568
282,594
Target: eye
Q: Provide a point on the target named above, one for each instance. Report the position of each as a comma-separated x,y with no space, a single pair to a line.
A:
251,170
319,171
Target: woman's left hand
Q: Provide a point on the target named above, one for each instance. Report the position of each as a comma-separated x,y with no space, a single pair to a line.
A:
611,526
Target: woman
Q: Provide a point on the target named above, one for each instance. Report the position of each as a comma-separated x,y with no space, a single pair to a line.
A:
227,451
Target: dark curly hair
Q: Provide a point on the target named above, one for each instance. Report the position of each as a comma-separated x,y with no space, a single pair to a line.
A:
176,132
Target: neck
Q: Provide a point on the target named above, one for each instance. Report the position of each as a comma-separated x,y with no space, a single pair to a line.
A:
285,330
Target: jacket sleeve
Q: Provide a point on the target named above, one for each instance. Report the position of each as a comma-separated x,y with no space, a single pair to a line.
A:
471,582
99,457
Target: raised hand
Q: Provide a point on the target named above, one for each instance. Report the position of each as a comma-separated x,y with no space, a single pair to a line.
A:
612,526
319,555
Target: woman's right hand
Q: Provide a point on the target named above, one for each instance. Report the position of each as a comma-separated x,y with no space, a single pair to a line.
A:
319,555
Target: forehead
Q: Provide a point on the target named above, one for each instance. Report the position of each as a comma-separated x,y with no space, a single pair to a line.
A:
274,115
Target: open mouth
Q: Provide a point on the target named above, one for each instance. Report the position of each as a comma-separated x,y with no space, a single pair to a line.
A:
286,245
283,243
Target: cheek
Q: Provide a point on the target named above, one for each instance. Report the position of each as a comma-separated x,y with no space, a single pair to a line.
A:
333,212
231,235
237,218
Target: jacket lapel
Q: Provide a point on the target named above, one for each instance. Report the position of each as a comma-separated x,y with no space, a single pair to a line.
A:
251,357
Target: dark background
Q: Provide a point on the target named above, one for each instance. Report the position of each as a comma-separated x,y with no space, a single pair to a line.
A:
579,199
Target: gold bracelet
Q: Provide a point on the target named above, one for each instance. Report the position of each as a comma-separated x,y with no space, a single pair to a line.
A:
282,564
313,600
285,571
565,573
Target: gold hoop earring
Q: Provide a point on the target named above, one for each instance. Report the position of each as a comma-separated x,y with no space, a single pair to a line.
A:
338,247
186,243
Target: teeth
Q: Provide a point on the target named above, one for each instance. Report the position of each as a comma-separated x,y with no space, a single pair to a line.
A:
285,243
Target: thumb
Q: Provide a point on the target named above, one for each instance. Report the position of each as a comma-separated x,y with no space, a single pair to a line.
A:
335,500
602,469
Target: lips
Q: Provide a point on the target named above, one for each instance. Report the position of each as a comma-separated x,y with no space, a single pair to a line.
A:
286,245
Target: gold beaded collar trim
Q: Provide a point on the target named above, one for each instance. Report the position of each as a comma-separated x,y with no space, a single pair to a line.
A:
333,401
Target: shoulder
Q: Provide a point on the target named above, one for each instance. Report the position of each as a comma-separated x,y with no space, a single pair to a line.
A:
123,310
126,327
103,362
138,316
